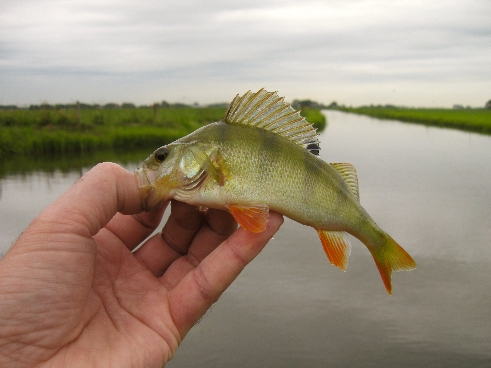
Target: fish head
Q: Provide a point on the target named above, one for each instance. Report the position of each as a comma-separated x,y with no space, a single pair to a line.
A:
169,169
157,176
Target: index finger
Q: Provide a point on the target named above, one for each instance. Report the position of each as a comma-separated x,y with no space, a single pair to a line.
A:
67,227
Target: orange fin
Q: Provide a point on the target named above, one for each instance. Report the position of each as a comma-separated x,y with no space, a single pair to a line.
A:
391,257
337,246
252,218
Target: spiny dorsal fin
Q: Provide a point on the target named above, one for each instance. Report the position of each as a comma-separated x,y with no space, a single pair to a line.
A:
267,111
348,172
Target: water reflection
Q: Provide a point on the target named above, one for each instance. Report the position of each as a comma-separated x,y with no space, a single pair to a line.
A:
428,187
74,163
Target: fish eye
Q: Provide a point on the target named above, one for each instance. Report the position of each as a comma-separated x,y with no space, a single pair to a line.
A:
161,154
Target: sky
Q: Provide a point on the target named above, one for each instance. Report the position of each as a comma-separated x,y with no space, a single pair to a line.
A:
424,53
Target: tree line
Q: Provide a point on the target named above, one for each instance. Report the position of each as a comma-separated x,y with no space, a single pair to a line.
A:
107,106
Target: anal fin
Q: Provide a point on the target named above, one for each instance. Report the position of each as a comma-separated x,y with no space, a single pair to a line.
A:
337,247
252,218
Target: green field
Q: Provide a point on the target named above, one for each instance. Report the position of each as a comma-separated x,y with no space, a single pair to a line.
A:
53,131
476,120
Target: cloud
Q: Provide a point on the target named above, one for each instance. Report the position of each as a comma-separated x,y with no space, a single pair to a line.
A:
205,51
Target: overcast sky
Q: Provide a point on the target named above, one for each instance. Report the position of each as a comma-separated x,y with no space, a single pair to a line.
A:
404,52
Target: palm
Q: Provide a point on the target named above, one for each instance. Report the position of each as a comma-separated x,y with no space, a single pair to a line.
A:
122,313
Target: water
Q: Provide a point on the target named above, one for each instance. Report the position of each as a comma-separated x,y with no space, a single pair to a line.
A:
428,187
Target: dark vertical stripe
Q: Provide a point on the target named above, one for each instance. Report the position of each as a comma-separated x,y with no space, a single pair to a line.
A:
264,141
309,185
223,133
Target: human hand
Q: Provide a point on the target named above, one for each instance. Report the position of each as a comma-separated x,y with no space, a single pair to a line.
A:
73,294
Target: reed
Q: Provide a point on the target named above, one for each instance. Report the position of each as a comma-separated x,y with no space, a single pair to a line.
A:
71,119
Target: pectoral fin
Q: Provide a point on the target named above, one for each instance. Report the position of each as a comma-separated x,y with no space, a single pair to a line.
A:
337,247
252,218
203,159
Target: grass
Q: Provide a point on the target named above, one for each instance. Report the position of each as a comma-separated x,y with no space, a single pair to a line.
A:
55,131
476,120
68,131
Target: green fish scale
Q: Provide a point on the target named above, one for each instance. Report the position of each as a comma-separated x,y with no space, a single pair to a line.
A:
264,168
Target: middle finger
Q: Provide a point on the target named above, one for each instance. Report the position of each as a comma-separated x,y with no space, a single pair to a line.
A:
174,240
218,227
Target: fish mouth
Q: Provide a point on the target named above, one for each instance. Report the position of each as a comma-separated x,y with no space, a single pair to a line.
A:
142,177
144,186
151,196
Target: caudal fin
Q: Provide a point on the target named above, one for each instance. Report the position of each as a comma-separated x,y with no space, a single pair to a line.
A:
391,257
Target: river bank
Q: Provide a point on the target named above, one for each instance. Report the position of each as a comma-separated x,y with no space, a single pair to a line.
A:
475,120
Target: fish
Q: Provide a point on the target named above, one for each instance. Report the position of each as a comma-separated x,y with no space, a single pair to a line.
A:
262,156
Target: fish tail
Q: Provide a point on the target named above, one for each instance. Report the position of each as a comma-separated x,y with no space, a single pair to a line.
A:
391,257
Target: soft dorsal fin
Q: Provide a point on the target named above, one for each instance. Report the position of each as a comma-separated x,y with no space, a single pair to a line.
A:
267,111
348,172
